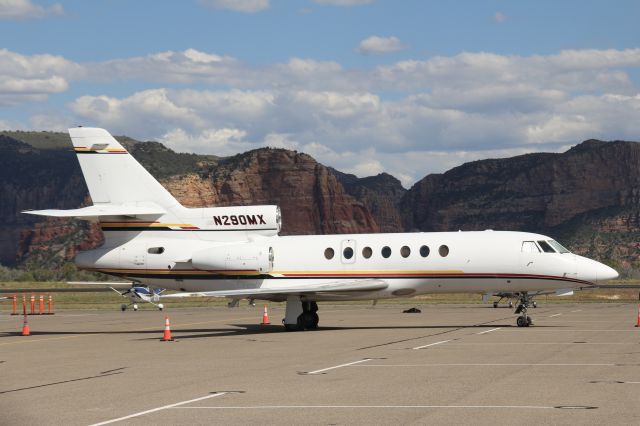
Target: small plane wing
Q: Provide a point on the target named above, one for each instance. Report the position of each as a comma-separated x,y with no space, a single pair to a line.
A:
98,210
337,287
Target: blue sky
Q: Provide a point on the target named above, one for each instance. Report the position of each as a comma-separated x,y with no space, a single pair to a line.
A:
407,87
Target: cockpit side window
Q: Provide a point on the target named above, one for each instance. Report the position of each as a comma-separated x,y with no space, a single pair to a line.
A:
530,247
546,247
559,247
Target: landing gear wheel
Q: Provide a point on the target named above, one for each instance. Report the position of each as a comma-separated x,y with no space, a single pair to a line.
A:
123,307
510,304
135,307
535,305
495,304
308,320
521,321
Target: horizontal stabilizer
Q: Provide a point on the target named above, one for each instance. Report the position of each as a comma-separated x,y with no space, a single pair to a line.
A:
337,287
98,210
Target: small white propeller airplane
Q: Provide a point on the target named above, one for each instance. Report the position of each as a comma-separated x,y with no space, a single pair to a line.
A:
236,252
135,293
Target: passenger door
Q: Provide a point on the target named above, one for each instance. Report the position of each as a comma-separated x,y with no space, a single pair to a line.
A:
529,254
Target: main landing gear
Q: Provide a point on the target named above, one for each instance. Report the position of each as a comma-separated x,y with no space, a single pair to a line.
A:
300,315
524,302
124,306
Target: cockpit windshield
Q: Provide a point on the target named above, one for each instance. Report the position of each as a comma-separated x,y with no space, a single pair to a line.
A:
546,247
559,247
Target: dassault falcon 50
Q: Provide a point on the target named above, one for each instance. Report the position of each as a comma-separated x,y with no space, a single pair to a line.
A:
236,252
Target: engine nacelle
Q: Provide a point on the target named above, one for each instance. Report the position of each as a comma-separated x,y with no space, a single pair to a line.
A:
240,258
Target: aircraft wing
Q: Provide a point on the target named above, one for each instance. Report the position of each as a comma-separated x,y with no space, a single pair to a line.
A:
102,283
335,288
98,210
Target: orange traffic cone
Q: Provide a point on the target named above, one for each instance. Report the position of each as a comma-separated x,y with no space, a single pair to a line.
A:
265,317
638,322
25,325
167,330
50,312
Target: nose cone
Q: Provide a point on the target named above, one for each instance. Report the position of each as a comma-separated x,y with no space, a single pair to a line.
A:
605,273
594,272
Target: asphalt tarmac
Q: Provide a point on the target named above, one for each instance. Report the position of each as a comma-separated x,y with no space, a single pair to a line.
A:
450,364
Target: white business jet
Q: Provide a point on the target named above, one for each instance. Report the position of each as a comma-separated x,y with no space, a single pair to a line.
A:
235,252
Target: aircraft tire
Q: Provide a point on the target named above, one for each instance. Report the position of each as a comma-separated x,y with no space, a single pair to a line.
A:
529,321
495,304
521,321
311,321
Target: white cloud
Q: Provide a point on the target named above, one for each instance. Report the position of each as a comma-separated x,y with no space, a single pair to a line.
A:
343,2
444,110
25,9
245,6
375,45
499,17
225,141
32,78
361,133
597,71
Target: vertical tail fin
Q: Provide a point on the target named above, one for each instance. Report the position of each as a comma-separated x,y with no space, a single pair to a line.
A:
113,176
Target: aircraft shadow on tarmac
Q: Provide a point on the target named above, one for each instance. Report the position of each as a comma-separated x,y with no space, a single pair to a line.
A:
257,329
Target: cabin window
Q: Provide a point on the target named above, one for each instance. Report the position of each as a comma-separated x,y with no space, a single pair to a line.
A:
443,250
546,247
405,251
347,252
386,252
424,251
530,247
329,253
155,250
367,252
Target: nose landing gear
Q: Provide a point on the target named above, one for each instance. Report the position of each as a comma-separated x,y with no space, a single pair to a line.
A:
523,304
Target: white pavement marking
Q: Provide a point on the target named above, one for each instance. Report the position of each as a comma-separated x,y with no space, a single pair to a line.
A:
554,315
490,365
266,407
489,331
339,366
153,410
544,343
577,310
432,344
633,330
